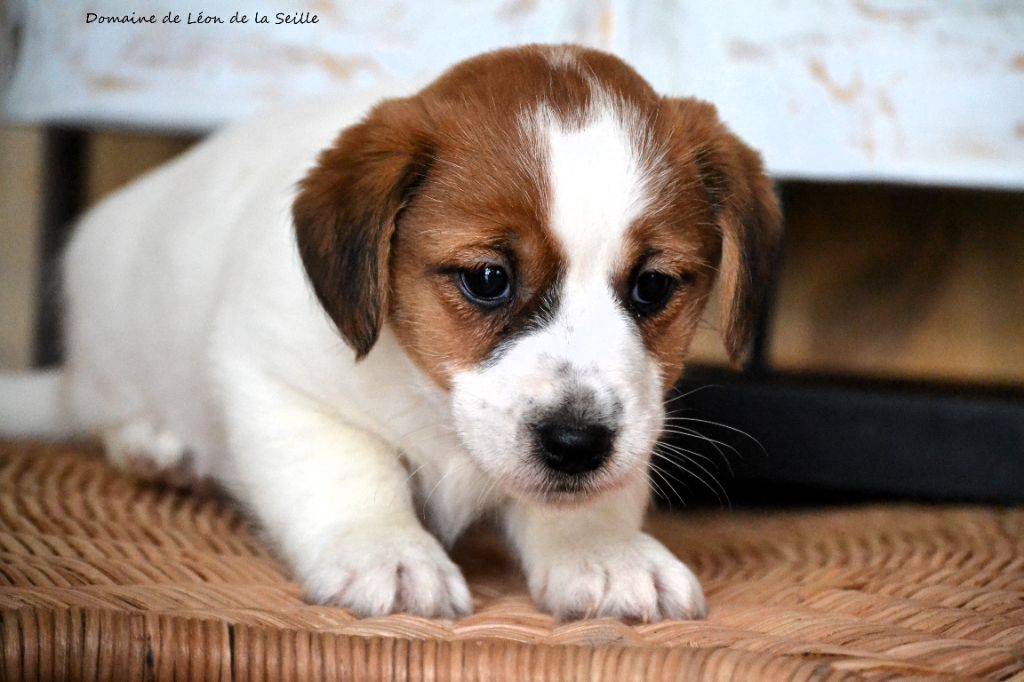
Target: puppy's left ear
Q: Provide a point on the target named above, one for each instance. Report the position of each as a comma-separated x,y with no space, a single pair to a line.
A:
745,211
346,211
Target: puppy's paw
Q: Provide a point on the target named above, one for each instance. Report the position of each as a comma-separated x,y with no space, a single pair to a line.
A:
150,453
636,579
378,574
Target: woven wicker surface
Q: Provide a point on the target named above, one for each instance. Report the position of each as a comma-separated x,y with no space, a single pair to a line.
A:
105,578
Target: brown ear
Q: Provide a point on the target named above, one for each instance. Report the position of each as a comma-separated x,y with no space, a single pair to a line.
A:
346,210
746,213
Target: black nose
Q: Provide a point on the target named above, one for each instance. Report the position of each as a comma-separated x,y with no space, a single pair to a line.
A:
574,448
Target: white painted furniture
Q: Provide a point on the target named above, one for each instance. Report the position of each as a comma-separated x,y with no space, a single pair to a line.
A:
921,91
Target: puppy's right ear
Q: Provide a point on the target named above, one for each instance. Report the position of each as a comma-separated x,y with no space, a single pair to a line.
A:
345,214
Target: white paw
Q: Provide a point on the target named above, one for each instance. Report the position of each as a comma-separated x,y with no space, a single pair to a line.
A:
374,574
144,450
637,579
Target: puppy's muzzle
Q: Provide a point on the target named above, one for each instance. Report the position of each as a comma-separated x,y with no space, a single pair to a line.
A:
573,447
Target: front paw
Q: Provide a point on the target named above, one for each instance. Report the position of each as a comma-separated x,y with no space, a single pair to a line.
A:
637,579
375,574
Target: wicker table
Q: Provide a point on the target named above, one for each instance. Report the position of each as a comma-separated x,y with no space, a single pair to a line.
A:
105,578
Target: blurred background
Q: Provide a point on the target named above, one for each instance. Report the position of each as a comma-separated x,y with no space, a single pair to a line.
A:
892,360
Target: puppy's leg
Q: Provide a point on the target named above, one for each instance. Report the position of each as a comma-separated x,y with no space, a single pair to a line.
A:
594,560
336,500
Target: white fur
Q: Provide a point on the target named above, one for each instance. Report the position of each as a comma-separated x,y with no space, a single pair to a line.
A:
192,329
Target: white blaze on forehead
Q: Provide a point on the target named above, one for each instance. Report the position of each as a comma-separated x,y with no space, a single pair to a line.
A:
596,186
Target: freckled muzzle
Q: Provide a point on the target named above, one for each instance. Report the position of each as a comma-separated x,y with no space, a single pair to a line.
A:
575,438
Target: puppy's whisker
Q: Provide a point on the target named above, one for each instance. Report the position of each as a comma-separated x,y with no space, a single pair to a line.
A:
446,474
721,426
680,449
688,393
716,444
669,474
683,453
412,474
659,491
695,475
684,431
663,475
491,485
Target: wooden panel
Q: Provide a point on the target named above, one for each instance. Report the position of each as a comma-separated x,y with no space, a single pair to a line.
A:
20,182
902,282
707,348
117,158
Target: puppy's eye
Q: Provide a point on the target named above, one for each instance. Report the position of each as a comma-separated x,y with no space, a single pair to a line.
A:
489,286
651,290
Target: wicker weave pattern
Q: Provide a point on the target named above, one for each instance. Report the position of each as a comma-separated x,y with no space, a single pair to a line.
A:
104,578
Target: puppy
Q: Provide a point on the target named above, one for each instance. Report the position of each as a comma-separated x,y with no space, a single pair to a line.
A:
472,300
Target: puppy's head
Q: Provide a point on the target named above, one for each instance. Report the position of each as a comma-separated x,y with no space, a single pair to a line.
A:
541,231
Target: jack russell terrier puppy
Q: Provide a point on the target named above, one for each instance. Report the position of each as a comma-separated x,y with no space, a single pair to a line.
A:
472,300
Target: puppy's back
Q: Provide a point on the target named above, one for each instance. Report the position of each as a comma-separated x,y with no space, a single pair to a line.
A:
147,271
